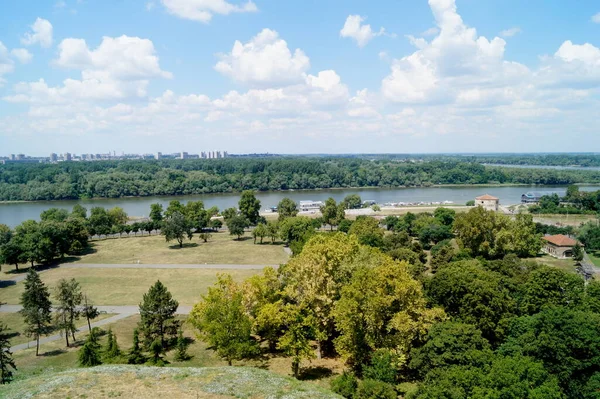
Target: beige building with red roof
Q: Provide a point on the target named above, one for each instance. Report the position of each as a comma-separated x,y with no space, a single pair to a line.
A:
559,246
488,202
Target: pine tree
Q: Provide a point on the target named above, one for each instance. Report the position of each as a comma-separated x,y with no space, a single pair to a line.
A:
135,355
157,312
89,311
89,354
111,351
6,359
156,349
36,308
181,348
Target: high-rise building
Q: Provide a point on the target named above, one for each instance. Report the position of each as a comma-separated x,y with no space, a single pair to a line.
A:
183,155
68,156
13,157
158,155
53,157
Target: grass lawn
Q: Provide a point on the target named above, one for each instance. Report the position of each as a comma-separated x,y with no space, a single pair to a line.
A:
595,258
57,357
564,220
127,286
15,322
567,265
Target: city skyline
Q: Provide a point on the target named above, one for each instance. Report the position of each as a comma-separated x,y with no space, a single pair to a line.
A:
437,76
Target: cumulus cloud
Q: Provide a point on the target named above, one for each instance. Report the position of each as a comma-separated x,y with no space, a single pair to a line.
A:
7,65
23,55
41,32
510,32
596,18
204,10
362,34
264,60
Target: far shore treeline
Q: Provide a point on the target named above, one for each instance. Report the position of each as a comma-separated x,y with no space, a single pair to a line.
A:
114,179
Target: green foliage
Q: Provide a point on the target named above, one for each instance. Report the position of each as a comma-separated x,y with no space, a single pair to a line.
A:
373,389
37,308
205,236
157,313
566,341
295,342
286,208
7,363
451,344
382,367
117,215
548,286
249,207
237,225
156,213
445,215
54,214
112,352
89,311
181,347
260,232
79,211
441,254
215,224
89,354
177,227
68,297
589,235
332,213
273,230
223,323
298,230
352,201
578,253
135,354
475,295
367,231
345,226
345,385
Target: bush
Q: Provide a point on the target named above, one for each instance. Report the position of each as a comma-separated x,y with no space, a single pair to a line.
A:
381,367
345,384
345,225
373,389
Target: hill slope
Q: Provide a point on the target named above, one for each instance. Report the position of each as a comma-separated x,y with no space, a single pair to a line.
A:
122,381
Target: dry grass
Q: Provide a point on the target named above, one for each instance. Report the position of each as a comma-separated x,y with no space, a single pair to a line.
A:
564,220
127,286
15,322
567,265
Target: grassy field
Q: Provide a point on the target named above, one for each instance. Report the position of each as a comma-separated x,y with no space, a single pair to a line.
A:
15,322
54,356
564,220
127,286
595,258
567,265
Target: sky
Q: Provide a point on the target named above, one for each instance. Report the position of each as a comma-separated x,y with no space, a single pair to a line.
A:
299,76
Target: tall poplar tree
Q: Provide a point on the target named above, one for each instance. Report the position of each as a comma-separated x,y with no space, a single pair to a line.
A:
68,296
37,308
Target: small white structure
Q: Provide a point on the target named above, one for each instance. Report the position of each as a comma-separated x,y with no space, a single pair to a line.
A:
307,206
488,202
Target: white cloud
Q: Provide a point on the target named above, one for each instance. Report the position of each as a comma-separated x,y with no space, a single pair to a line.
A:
23,55
60,4
596,18
122,58
431,32
149,6
264,60
41,32
362,34
510,32
7,65
203,10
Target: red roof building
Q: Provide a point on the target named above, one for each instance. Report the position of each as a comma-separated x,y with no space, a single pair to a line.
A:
559,245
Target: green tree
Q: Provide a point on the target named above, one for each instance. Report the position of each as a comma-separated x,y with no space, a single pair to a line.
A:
352,201
296,232
548,286
229,213
68,297
286,208
330,213
181,354
249,207
273,230
445,215
345,385
112,352
373,389
215,224
589,235
177,227
205,236
578,253
367,231
156,213
295,342
221,320
157,313
89,311
237,225
36,310
197,215
79,212
89,354
99,221
11,253
450,344
382,367
7,363
54,214
260,232
135,354
175,206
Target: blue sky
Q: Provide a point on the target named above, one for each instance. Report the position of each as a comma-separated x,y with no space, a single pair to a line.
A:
299,76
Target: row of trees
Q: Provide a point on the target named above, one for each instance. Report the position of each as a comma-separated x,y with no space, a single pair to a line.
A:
112,179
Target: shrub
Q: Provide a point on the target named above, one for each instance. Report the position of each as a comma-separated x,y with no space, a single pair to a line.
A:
345,384
373,389
381,367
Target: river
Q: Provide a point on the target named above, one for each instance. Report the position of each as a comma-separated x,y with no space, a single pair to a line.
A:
14,213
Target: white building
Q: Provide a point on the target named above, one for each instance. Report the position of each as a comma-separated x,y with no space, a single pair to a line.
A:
306,206
488,202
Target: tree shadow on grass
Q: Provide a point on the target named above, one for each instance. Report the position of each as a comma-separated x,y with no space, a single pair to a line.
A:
185,245
55,352
314,373
244,238
7,283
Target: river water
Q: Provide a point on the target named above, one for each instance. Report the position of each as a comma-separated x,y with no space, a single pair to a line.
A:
13,214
